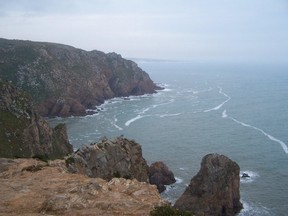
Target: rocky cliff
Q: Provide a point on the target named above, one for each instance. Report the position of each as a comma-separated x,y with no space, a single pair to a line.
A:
65,81
214,191
31,187
160,175
118,157
23,132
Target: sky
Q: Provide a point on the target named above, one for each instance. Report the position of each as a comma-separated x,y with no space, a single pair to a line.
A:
237,30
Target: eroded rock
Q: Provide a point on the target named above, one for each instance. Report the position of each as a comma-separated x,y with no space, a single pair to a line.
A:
51,190
160,175
24,133
110,158
215,188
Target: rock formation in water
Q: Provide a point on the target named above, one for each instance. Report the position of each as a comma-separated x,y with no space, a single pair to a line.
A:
32,187
65,81
160,175
214,190
23,132
111,158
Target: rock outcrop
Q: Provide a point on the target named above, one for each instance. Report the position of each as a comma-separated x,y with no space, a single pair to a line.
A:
24,133
160,175
214,190
111,158
31,187
65,81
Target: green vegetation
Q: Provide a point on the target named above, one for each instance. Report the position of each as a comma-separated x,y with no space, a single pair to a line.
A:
69,160
11,137
168,211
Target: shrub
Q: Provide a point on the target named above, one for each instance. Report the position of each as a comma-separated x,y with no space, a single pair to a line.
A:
168,211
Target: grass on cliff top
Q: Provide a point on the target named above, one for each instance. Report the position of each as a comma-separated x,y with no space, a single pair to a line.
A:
168,211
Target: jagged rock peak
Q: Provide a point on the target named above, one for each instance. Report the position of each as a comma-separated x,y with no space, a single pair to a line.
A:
65,81
118,157
214,190
23,132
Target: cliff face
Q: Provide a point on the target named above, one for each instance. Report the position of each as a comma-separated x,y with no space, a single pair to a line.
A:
65,81
23,132
32,187
214,190
106,159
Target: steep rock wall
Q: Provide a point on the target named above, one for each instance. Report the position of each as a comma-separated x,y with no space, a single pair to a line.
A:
23,132
65,81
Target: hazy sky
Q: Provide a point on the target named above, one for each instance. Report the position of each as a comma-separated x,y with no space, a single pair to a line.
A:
162,29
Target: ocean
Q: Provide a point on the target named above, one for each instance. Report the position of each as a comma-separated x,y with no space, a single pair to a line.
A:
239,110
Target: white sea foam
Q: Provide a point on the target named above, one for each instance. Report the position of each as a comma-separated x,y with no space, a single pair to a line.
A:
167,90
178,180
169,115
220,105
224,114
133,120
250,209
118,127
283,145
202,91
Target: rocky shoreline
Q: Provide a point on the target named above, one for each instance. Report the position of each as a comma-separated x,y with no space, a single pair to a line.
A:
34,187
65,81
109,177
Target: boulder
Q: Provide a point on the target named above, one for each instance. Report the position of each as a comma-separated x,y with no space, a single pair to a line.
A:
214,190
160,175
109,158
24,133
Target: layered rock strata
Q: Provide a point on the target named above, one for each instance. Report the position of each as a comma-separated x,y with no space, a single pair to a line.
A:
31,187
24,133
214,190
65,81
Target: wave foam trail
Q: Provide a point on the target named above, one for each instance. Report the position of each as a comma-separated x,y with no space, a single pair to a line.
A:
168,115
283,145
202,91
250,209
220,105
224,114
133,119
119,128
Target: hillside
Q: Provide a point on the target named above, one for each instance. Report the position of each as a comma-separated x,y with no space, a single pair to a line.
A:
23,133
65,81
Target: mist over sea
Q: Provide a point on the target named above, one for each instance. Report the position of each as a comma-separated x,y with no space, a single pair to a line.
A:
239,110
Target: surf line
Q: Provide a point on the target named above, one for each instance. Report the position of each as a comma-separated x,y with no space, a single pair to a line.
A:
220,105
283,145
134,119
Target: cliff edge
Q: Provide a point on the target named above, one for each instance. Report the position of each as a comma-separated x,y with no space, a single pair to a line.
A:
32,187
65,81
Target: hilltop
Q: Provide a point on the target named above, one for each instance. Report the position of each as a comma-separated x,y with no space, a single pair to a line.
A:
65,81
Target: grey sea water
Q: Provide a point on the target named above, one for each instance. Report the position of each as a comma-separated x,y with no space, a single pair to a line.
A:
239,110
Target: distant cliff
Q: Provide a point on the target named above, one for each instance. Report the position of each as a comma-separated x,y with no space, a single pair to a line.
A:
23,133
65,81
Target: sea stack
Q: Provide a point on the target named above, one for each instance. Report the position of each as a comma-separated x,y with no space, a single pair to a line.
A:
215,188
